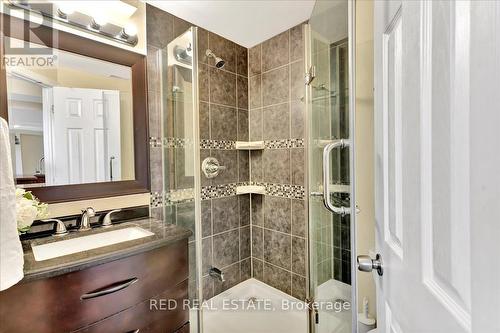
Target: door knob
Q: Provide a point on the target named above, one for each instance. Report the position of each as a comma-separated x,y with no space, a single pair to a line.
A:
367,264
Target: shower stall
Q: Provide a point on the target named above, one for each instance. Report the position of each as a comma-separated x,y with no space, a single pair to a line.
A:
216,181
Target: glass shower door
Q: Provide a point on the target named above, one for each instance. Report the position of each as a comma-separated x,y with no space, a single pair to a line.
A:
329,168
181,179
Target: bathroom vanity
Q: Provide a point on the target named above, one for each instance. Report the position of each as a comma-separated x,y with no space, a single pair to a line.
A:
108,289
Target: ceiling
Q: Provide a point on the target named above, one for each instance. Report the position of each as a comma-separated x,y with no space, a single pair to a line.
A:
246,22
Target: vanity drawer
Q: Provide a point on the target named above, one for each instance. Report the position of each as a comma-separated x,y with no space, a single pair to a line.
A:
141,318
59,304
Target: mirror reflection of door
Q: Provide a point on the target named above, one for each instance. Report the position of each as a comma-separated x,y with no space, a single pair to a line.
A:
83,141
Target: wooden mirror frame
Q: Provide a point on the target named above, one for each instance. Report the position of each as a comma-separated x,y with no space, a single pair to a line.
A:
15,28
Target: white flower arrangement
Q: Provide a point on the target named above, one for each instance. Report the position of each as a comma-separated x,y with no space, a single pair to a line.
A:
28,209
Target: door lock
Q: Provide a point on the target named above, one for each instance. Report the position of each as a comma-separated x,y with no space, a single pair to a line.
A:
367,264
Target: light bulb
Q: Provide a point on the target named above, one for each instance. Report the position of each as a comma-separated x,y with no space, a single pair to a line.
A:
100,20
130,30
66,7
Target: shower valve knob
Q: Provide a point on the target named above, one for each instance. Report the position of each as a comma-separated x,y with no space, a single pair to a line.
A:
211,167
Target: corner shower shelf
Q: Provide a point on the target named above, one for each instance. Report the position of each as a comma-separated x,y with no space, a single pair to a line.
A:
250,189
249,145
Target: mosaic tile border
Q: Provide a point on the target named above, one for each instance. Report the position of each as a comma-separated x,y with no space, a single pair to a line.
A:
225,190
269,144
285,191
222,144
155,142
219,191
179,196
217,144
155,199
277,190
177,142
285,143
169,142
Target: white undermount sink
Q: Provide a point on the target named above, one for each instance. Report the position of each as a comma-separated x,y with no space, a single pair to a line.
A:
85,243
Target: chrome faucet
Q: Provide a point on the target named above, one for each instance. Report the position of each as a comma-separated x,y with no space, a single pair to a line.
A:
41,166
216,273
60,227
106,222
85,219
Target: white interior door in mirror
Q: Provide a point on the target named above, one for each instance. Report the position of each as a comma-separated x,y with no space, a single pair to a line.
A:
84,141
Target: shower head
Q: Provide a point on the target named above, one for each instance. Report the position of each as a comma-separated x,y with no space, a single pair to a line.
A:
219,62
183,55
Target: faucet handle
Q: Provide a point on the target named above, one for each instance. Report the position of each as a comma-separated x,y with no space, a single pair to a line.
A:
60,227
106,222
89,211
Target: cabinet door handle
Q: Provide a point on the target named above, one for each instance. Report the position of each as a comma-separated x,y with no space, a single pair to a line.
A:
135,331
111,289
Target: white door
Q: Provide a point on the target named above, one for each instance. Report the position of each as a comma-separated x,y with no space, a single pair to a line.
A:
85,136
437,125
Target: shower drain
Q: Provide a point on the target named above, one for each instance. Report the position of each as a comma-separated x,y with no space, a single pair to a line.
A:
252,300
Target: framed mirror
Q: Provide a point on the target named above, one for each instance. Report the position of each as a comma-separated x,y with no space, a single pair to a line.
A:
77,114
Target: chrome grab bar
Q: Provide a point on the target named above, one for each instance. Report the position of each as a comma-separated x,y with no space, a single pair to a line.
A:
326,177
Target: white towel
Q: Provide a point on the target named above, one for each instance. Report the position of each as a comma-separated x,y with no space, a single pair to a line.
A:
11,251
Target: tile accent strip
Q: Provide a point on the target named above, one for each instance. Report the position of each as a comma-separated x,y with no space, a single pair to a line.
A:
285,143
277,190
285,191
155,142
179,196
218,191
270,144
169,142
176,142
155,200
217,144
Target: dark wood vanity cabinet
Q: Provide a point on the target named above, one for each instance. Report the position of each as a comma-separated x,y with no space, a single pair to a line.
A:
110,297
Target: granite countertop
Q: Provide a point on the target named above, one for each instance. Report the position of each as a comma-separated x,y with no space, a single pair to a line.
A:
164,234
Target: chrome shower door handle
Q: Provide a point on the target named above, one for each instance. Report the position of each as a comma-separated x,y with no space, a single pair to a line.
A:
326,177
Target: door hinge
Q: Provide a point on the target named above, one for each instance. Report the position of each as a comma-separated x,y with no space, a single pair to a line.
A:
52,108
310,75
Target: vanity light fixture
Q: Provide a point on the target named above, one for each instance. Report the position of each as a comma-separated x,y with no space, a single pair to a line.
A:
67,13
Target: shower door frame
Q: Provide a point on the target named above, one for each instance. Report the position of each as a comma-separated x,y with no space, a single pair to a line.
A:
197,180
197,173
310,291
